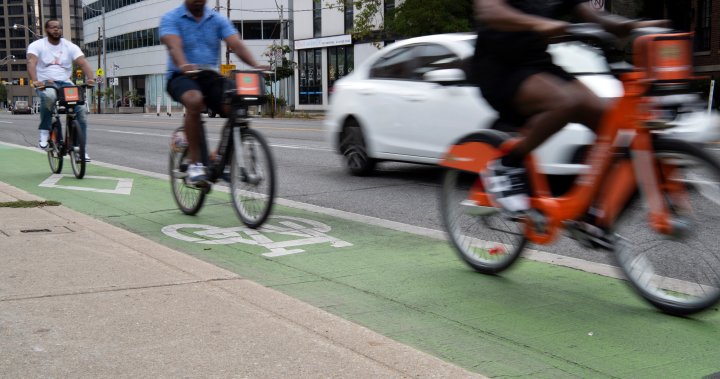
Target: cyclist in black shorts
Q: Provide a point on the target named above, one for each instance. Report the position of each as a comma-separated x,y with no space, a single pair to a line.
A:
518,78
192,33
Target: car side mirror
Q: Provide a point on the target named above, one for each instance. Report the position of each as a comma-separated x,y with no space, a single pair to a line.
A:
445,76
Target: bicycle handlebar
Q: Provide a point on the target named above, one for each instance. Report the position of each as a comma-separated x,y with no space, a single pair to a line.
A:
595,35
53,86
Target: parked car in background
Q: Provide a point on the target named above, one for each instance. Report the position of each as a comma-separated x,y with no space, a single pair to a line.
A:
411,100
21,106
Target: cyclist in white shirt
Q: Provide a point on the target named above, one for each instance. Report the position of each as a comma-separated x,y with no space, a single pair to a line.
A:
50,60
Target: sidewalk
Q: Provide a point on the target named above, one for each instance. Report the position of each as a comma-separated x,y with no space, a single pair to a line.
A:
81,298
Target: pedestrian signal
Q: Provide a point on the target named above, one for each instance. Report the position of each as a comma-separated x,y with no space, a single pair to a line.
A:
22,81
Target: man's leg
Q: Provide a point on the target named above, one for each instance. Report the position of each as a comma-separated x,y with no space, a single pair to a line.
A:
194,105
47,102
550,103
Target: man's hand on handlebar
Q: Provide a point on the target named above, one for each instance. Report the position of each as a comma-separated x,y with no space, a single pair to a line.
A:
551,28
90,82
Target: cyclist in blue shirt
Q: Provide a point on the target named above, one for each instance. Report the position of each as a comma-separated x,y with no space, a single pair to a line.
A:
192,33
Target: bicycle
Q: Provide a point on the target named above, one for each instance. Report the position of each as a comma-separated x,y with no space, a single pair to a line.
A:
242,150
674,263
73,142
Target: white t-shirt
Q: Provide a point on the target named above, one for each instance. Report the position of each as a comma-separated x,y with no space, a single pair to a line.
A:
54,61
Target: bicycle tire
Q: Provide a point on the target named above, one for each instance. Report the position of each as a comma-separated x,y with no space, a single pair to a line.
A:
489,242
680,273
77,150
189,199
252,188
55,149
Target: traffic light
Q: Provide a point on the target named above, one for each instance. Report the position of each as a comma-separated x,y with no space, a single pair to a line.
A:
78,73
22,81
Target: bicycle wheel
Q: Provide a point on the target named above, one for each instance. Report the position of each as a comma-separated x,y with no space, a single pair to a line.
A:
188,198
487,240
77,150
55,148
252,187
678,273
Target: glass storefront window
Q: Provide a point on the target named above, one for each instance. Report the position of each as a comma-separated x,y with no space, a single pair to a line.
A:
341,61
310,71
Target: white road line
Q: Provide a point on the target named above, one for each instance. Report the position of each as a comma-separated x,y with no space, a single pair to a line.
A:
6,122
280,146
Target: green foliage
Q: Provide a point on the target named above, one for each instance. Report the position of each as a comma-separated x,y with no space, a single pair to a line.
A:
410,18
422,17
285,68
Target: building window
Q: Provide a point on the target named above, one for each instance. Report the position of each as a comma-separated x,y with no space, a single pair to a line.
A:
349,16
310,72
317,18
341,62
703,29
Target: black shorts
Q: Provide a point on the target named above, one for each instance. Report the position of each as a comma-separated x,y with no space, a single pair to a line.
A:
211,85
499,82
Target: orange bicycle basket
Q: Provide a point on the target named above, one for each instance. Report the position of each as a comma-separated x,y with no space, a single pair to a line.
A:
665,57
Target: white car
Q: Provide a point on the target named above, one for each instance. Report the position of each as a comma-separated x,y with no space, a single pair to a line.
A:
410,101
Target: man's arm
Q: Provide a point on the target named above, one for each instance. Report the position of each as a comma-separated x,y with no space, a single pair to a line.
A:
498,15
175,49
85,66
241,51
620,26
32,60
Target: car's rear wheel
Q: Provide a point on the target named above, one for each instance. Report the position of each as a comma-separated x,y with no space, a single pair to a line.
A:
354,150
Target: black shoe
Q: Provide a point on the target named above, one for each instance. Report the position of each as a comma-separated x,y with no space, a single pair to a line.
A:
507,186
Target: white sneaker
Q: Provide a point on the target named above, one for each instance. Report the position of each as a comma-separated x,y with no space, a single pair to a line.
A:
196,173
507,186
87,157
43,140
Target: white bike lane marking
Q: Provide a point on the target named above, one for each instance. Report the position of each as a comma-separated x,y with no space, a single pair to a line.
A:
308,232
123,186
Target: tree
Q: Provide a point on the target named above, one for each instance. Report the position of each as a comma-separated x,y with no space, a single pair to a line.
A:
281,68
422,17
409,19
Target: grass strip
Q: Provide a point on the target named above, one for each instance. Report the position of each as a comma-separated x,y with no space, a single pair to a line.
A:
29,204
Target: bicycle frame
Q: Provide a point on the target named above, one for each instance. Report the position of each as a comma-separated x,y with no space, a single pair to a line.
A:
623,131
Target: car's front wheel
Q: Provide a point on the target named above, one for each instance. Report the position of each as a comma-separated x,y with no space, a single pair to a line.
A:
354,150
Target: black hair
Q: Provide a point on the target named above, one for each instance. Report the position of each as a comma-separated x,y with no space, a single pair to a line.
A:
51,20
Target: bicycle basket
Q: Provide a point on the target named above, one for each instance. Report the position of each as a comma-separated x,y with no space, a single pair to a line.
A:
249,87
71,96
665,57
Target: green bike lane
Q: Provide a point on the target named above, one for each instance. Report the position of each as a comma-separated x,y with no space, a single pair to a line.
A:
536,320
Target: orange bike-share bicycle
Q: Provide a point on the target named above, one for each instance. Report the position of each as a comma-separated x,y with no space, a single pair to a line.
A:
666,244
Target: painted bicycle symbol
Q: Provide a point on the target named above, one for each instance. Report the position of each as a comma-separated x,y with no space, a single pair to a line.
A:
306,232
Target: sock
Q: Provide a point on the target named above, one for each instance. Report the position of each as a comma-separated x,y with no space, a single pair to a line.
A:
44,135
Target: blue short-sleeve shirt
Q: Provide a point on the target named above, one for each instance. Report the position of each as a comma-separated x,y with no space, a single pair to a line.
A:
201,39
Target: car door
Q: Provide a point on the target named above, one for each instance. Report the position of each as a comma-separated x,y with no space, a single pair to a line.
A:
433,116
380,94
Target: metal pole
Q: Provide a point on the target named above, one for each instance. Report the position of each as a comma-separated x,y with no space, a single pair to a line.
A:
99,96
227,50
105,72
282,43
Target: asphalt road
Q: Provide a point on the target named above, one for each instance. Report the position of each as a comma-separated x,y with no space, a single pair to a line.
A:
309,171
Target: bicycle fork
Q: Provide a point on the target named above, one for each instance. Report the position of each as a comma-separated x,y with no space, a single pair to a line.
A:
652,179
248,176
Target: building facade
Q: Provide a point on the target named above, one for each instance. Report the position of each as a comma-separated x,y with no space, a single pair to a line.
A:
134,60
